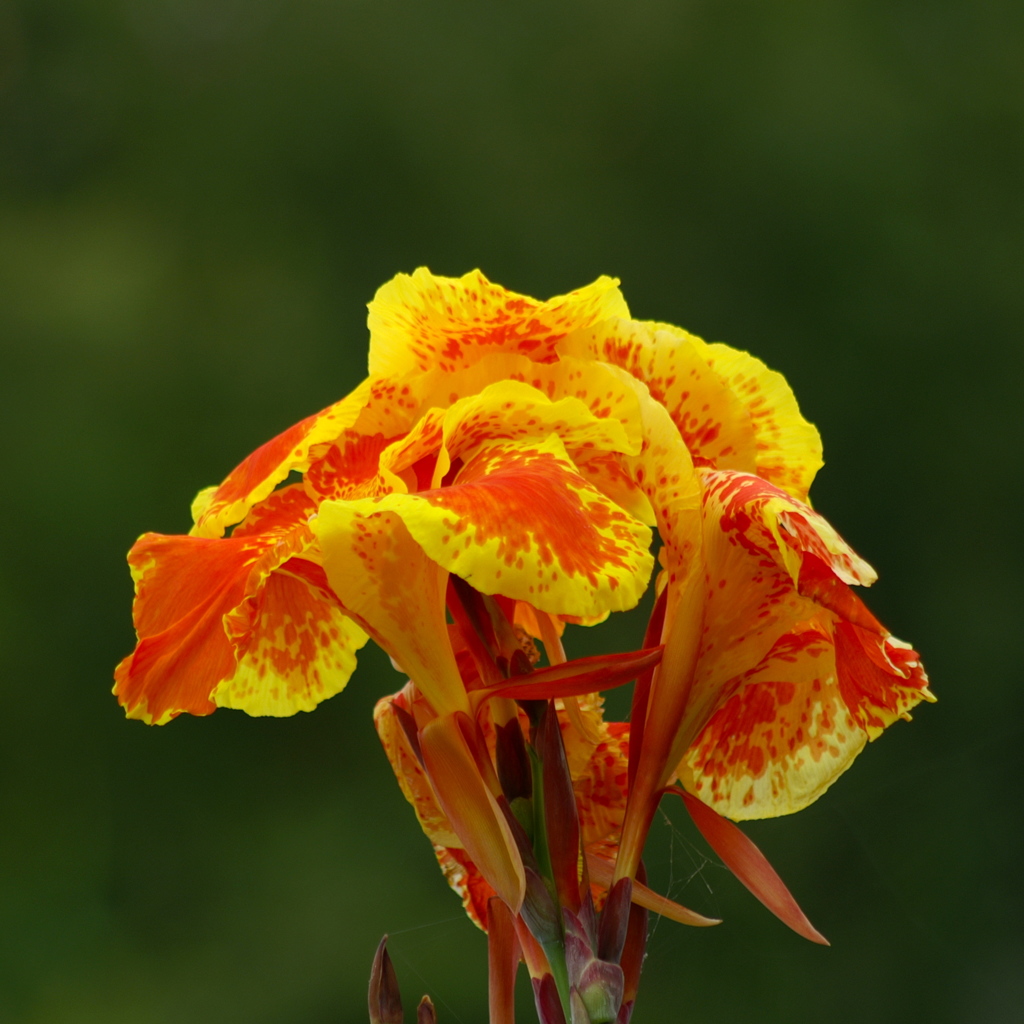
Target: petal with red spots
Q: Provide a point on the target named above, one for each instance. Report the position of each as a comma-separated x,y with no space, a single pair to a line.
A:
782,733
347,468
764,518
786,730
514,410
421,321
521,522
788,447
712,421
294,645
731,410
211,614
881,678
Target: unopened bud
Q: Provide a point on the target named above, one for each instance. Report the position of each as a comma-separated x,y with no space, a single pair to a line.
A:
385,1001
539,910
601,988
549,1006
425,1012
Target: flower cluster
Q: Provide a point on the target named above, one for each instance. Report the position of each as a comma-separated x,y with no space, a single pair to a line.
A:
498,476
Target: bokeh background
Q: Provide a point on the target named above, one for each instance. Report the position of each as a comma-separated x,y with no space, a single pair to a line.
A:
197,199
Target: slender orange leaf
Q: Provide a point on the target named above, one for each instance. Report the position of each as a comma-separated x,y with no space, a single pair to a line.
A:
470,806
750,866
580,676
602,873
502,961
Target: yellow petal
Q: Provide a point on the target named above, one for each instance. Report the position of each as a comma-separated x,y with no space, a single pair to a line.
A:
731,410
295,647
788,447
423,321
783,737
386,582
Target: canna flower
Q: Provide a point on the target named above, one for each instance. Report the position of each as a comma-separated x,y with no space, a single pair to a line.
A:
500,475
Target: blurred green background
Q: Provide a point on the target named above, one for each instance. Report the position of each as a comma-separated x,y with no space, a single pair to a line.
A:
197,199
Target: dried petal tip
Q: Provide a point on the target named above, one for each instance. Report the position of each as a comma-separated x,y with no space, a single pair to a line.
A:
385,1001
425,1012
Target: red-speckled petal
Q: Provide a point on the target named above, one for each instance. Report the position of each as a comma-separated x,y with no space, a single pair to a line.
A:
217,508
514,410
347,468
418,322
294,645
794,675
880,678
245,621
520,521
782,738
731,410
788,447
759,516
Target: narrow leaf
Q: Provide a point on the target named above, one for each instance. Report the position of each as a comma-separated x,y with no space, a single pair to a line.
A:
502,962
561,820
750,866
549,1005
471,807
602,872
614,918
580,676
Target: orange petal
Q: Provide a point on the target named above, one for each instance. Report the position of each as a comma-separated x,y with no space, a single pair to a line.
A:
184,586
422,321
470,806
255,477
602,873
880,678
223,622
751,867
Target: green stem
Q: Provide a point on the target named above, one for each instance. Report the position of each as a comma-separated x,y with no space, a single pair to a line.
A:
555,952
